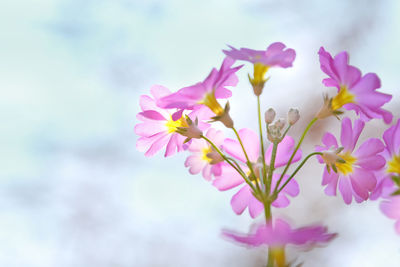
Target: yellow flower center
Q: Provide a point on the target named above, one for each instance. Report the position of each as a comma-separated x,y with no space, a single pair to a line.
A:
259,72
394,165
342,98
211,102
172,125
205,151
278,254
347,167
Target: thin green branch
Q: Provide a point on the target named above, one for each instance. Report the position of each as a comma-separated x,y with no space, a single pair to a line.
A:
295,150
276,192
237,168
264,170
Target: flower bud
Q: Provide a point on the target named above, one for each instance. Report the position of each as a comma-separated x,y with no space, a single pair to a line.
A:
280,123
269,115
274,133
293,116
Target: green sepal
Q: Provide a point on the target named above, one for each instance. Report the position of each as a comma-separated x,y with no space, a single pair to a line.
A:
396,180
333,166
396,193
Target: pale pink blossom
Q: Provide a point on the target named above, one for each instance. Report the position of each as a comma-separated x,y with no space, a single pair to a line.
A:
280,233
203,157
205,92
355,92
274,56
229,178
157,128
356,177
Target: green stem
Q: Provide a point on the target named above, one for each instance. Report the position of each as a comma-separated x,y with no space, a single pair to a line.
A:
295,150
249,164
270,262
271,168
264,171
228,160
295,172
268,218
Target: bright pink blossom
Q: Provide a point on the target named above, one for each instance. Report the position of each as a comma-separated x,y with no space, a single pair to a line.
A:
280,234
204,158
275,56
391,208
356,177
205,92
355,92
158,129
229,178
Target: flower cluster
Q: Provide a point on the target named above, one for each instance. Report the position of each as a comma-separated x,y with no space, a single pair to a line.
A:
258,164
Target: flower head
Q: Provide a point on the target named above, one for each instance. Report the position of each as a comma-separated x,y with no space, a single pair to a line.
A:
355,92
275,56
207,92
204,158
279,234
158,128
391,153
229,178
356,175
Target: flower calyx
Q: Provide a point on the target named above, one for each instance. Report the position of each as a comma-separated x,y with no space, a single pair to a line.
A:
224,117
331,158
191,131
327,110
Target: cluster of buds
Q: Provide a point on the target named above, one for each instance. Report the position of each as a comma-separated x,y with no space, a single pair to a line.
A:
275,130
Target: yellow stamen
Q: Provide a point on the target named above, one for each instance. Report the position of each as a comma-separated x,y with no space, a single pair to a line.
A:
205,151
259,73
172,125
394,165
346,168
342,98
278,253
210,101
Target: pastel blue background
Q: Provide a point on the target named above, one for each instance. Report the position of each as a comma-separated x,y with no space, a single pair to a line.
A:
73,189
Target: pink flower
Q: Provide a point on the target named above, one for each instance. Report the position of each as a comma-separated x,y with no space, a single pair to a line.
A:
278,235
385,185
229,178
206,92
355,92
158,129
356,176
204,158
275,56
391,208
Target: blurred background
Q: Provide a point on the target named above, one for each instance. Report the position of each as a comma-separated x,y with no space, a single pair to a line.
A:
73,189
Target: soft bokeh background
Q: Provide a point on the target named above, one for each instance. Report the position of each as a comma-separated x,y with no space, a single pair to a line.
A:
75,192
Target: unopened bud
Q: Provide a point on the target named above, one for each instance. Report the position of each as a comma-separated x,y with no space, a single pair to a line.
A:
280,123
270,115
293,116
274,133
